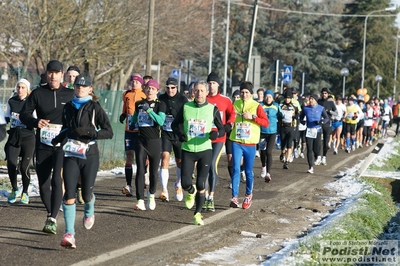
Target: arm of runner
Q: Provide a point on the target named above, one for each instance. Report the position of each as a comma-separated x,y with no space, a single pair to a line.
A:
261,118
218,122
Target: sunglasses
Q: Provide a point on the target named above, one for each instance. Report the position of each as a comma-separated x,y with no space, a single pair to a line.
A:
171,88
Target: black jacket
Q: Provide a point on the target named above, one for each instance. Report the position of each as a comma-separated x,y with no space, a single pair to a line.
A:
173,104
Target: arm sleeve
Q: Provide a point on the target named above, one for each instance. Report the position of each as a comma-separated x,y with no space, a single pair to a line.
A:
325,117
177,124
261,118
158,118
231,113
218,122
26,116
106,131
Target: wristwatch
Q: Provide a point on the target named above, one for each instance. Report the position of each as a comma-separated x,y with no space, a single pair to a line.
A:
254,117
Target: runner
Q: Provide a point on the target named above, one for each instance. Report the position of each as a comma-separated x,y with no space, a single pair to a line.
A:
130,97
268,134
353,111
193,124
84,122
315,116
20,143
149,116
387,116
337,124
228,115
173,101
48,102
245,135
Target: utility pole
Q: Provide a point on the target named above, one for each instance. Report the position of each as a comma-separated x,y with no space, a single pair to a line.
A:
253,26
150,37
211,38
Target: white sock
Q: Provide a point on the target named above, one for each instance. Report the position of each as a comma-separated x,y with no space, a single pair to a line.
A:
178,176
164,176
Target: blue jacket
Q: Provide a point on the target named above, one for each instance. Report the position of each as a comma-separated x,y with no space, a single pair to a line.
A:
272,111
315,116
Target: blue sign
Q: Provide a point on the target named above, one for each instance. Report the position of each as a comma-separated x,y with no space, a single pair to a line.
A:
175,73
287,74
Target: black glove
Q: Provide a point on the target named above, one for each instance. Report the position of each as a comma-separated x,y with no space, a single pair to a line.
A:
228,128
145,106
83,132
213,135
354,118
183,138
122,118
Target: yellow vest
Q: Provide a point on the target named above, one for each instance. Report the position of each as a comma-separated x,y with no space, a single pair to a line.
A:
245,131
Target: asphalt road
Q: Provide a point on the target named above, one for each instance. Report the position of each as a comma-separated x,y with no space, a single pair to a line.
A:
284,208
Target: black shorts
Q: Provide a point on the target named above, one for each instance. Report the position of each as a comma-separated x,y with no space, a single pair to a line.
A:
287,135
351,128
167,145
360,124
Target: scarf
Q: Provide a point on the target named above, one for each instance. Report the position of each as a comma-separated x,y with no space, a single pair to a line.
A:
79,102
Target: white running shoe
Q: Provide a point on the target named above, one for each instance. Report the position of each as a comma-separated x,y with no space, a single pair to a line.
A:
127,190
151,201
302,155
140,205
353,147
335,151
290,160
178,192
268,178
243,176
296,153
164,196
263,173
311,170
88,222
318,161
257,153
323,161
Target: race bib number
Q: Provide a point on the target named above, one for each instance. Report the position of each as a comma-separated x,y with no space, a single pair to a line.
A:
243,130
15,122
47,134
197,128
75,148
262,145
144,120
288,114
167,124
311,133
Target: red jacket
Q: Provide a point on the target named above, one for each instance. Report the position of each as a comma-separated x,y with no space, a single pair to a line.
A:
225,107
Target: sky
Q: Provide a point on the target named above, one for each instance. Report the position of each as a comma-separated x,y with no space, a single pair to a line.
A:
347,188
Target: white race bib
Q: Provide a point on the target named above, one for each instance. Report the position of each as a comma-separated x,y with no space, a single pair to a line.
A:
197,128
75,148
144,120
15,122
167,124
311,133
47,134
243,130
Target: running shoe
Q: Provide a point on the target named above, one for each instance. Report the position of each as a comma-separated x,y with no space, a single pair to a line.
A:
50,226
243,176
210,206
282,158
140,205
79,195
263,173
127,190
268,178
25,198
205,205
230,185
311,170
366,144
353,147
296,153
257,153
178,193
151,201
335,151
318,161
164,196
234,202
286,165
302,155
247,201
190,199
12,198
146,180
198,219
348,149
323,161
88,222
291,158
68,241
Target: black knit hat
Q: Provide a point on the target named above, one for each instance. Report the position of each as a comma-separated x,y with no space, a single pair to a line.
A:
75,68
246,85
288,93
315,96
213,77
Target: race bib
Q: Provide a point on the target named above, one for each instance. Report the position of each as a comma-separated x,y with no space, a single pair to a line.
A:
15,122
311,133
197,128
144,120
167,124
287,118
129,122
47,134
243,130
75,148
262,145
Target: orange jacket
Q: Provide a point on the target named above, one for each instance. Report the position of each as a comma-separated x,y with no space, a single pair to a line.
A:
129,99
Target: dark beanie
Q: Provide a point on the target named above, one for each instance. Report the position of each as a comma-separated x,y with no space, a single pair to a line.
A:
213,77
246,85
315,96
288,93
235,93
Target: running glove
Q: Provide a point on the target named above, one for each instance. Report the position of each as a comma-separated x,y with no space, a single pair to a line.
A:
145,106
122,118
83,132
183,138
213,135
228,128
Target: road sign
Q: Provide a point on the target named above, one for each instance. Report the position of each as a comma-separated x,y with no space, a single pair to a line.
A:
175,73
287,74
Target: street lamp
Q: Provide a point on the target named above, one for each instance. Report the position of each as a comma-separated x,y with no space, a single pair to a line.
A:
378,79
344,72
392,8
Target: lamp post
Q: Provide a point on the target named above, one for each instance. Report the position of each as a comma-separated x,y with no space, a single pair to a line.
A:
395,64
378,79
344,72
365,39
